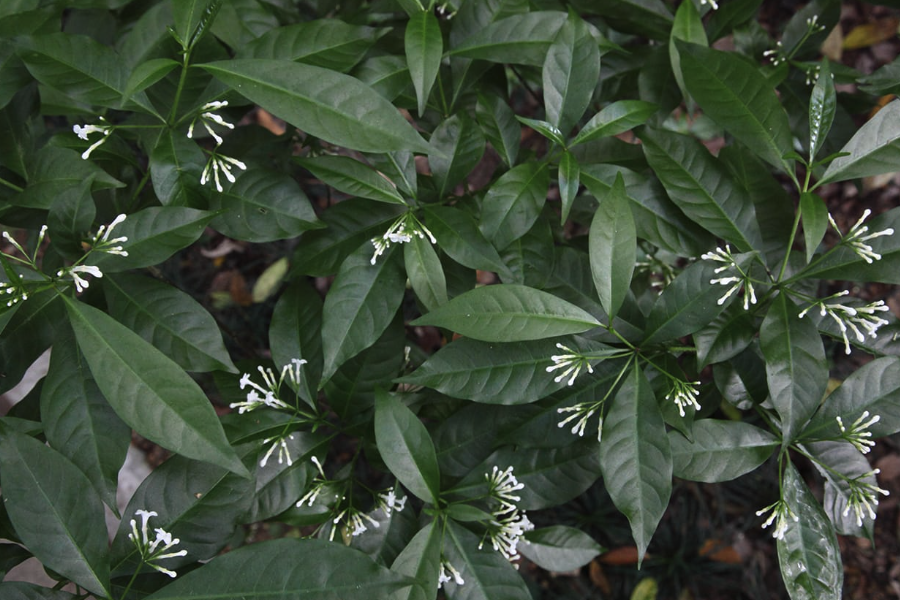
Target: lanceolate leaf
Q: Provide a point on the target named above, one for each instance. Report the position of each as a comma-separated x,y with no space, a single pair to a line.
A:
295,332
425,273
421,560
55,511
187,15
841,457
360,305
513,203
635,458
21,590
327,43
822,106
519,39
53,170
500,127
720,451
616,118
329,105
176,166
737,97
873,150
688,27
568,178
459,145
509,313
406,447
352,177
613,247
702,187
809,555
287,567
459,237
559,548
424,47
487,574
815,221
795,365
172,411
725,337
570,74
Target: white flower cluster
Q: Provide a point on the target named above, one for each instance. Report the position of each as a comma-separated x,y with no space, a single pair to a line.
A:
712,3
217,162
509,523
863,498
448,572
207,116
388,501
735,282
14,289
582,411
851,318
857,433
781,512
83,131
401,231
155,550
76,272
776,54
319,484
355,523
684,393
572,362
856,238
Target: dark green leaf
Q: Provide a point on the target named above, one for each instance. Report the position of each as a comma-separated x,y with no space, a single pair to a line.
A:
650,18
425,273
487,574
500,127
530,258
522,39
173,410
618,117
559,548
815,221
843,460
68,533
295,332
795,365
570,73
326,43
822,106
459,236
148,73
289,568
613,248
20,590
459,146
725,337
352,177
359,306
514,202
176,324
635,458
721,450
387,75
873,150
688,27
460,440
176,167
546,129
278,485
385,542
52,171
421,560
406,447
30,331
335,107
424,47
187,15
568,177
71,216
509,313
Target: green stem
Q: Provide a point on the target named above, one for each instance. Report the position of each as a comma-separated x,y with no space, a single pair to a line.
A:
613,331
130,583
11,185
790,245
181,80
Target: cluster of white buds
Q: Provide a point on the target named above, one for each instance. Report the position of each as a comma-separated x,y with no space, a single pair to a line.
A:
812,74
279,443
813,25
319,484
448,572
572,362
388,501
83,131
505,533
502,484
270,393
582,411
863,497
712,3
18,292
851,318
857,239
781,512
684,393
155,550
776,54
734,281
219,162
207,116
216,162
102,242
77,272
661,273
857,433
355,523
401,231
31,259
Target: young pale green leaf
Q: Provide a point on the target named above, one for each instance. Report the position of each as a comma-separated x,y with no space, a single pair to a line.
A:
173,410
809,554
873,150
618,117
425,273
327,43
187,15
406,447
734,94
815,222
154,234
263,206
295,332
498,121
458,147
490,372
146,74
55,511
841,457
559,548
176,324
288,568
546,129
687,305
459,237
176,167
570,74
726,336
635,458
795,365
720,451
424,48
514,202
521,39
360,305
79,422
568,177
335,107
687,27
52,171
613,248
487,574
421,560
21,590
509,313
822,106
702,187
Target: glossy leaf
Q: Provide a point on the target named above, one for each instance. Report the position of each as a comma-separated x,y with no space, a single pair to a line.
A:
702,187
687,27
52,171
873,150
176,324
815,222
522,39
570,73
329,105
841,457
513,203
326,43
148,73
545,128
287,567
822,107
650,18
176,166
487,574
618,117
295,332
726,336
360,305
406,447
720,450
568,179
459,146
387,75
424,47
509,313
635,458
809,555
425,273
500,127
735,95
459,237
559,548
187,15
173,411
352,177
67,533
613,248
421,560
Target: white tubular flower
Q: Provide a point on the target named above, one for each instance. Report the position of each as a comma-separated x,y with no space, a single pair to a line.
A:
851,318
157,549
207,116
75,272
863,498
776,54
856,238
389,502
271,394
319,484
502,485
857,433
280,443
712,3
781,512
572,362
15,243
582,411
18,293
219,162
401,231
505,533
448,572
83,131
734,281
684,393
102,242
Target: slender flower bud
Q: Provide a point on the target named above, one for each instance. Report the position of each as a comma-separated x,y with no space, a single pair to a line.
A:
780,514
83,131
152,551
